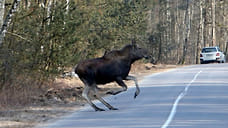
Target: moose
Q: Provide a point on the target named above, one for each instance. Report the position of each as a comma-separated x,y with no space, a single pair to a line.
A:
112,66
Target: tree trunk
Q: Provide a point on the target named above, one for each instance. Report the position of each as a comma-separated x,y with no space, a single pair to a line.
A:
26,4
187,33
213,23
49,11
161,30
226,48
2,12
208,24
159,49
177,36
67,7
7,20
200,39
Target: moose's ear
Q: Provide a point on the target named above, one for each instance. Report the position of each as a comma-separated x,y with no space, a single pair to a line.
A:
133,42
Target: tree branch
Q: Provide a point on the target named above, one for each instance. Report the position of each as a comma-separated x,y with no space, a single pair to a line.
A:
19,36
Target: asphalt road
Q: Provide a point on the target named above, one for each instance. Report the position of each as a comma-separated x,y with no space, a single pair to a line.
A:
190,97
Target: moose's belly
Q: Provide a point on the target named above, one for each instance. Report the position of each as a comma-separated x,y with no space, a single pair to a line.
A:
104,80
107,78
109,73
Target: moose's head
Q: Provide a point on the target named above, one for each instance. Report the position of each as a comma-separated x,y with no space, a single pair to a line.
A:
137,52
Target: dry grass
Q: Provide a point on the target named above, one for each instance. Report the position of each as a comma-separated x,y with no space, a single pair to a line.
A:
19,93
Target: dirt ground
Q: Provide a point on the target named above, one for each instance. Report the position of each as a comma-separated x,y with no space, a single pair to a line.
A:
64,98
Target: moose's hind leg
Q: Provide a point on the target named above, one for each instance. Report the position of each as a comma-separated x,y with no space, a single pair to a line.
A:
85,94
97,95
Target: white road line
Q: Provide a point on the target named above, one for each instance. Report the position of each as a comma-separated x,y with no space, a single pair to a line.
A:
174,108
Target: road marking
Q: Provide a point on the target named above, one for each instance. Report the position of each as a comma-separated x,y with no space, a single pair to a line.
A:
174,108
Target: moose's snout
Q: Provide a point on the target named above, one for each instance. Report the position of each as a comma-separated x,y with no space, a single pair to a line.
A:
147,57
146,54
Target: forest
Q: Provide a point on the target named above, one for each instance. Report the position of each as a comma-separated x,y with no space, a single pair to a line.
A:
40,39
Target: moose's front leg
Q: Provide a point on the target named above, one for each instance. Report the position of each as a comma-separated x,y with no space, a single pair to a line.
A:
119,80
136,84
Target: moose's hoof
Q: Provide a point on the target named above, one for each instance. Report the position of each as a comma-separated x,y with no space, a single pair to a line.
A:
99,109
114,109
135,95
110,93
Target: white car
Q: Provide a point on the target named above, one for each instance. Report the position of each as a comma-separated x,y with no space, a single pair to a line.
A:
212,54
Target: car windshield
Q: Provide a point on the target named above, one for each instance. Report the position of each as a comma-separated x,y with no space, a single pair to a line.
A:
206,50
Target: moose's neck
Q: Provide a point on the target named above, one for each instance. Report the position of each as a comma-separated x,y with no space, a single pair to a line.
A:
134,58
129,60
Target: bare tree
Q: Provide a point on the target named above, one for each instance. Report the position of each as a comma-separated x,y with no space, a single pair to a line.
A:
2,12
213,22
26,3
221,23
7,20
187,21
226,49
67,7
208,24
200,39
